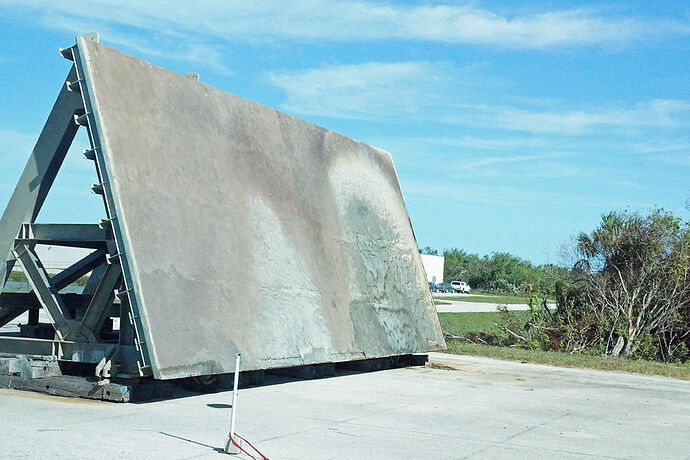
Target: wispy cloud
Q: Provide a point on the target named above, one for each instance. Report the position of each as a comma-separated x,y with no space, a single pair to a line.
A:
502,195
367,90
148,43
486,143
498,160
357,21
660,113
435,92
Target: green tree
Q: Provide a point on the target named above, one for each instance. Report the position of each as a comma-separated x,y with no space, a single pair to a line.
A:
429,251
636,276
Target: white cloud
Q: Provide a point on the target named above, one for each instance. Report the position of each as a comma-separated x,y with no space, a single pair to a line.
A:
486,143
497,160
502,195
439,92
365,91
356,21
660,113
153,44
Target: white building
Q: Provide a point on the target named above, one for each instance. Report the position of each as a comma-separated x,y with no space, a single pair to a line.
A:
433,266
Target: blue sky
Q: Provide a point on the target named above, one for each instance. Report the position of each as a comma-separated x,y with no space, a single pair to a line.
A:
513,125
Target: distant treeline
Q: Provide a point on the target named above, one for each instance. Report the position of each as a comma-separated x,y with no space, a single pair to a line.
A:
499,272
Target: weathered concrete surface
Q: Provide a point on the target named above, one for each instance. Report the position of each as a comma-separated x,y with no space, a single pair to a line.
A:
487,409
247,230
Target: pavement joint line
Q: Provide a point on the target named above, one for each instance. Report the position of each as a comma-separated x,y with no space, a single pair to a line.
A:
520,433
287,435
329,423
479,440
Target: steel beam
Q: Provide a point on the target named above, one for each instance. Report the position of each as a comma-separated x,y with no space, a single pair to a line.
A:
74,235
26,346
99,308
47,294
78,269
90,289
40,171
95,130
82,352
126,332
8,314
28,300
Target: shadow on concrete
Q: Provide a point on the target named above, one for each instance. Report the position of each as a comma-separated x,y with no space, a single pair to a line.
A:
156,390
79,381
220,450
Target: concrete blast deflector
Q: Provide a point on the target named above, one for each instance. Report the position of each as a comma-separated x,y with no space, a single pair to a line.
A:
230,227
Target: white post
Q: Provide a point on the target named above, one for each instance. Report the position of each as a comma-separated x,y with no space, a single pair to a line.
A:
235,386
230,448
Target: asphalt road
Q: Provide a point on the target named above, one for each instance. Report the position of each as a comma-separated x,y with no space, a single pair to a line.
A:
481,409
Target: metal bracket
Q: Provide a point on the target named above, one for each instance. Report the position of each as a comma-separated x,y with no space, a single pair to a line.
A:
74,86
82,120
90,154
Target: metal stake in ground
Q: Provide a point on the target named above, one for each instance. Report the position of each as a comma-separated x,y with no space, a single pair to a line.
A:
231,444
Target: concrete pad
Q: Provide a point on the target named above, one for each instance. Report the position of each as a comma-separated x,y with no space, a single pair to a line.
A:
484,409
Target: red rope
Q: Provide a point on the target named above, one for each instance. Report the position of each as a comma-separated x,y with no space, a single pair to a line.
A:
232,439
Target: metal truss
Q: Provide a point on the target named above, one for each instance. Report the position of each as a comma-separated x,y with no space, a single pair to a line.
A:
81,325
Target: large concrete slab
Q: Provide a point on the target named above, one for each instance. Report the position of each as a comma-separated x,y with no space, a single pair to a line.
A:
247,230
487,409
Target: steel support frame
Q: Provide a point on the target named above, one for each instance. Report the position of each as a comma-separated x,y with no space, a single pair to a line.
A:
77,332
65,326
78,269
40,172
81,352
37,178
103,297
73,235
140,333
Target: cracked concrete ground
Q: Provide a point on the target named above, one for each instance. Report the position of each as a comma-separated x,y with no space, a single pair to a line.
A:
471,408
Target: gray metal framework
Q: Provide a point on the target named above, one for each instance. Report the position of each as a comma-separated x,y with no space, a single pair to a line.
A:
230,227
82,323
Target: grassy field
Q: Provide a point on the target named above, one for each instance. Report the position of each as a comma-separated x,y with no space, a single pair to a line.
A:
463,323
554,358
499,299
476,322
